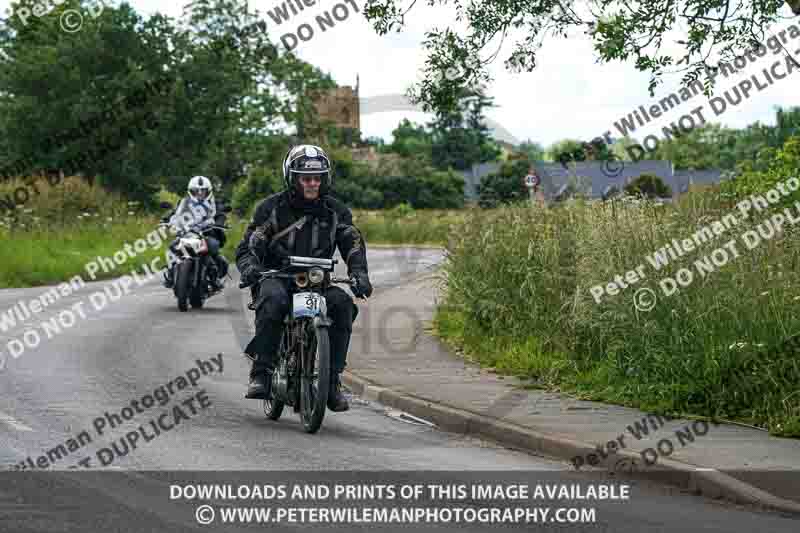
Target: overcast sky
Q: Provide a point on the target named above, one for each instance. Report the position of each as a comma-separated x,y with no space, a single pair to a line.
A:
568,95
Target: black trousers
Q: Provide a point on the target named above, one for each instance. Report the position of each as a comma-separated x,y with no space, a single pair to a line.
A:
273,304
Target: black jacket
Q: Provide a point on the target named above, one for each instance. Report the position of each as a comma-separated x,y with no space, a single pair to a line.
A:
273,238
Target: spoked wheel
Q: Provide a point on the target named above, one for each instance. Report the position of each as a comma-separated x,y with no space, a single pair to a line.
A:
315,377
273,408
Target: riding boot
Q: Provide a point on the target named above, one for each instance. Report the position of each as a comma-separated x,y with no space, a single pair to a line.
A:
336,400
264,347
340,343
260,382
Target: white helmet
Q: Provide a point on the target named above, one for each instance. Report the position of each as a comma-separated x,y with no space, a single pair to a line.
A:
197,184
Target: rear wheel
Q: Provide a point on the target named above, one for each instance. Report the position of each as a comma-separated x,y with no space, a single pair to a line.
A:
315,377
183,277
273,407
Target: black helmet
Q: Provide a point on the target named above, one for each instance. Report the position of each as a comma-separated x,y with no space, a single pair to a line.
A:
307,159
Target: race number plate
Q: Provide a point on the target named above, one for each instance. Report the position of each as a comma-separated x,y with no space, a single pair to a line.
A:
308,304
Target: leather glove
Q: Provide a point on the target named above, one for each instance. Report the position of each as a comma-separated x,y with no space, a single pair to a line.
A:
250,275
361,286
258,241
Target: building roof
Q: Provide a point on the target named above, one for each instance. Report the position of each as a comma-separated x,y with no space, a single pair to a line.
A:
596,178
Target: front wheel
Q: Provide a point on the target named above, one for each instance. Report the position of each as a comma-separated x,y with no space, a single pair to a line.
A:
315,377
183,282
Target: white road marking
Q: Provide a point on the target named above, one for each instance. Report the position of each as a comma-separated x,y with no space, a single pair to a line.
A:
19,426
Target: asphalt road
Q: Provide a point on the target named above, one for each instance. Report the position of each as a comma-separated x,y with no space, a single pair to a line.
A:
51,394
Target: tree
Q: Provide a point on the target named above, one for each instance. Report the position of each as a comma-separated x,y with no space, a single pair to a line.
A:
787,124
411,140
713,146
221,90
504,186
51,118
482,148
621,31
572,150
704,147
773,166
460,141
532,150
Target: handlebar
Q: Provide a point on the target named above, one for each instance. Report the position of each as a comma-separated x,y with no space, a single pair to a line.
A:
279,274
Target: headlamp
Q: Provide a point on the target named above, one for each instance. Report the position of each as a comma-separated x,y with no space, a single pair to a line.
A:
316,275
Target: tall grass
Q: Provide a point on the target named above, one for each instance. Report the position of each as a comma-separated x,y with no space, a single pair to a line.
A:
517,298
403,225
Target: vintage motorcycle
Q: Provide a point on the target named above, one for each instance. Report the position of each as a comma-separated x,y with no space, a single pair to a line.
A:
302,369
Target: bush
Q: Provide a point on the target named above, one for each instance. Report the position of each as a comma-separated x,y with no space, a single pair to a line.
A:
411,181
504,186
59,202
649,186
771,167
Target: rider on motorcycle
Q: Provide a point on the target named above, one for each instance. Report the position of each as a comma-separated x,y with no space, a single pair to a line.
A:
199,203
303,220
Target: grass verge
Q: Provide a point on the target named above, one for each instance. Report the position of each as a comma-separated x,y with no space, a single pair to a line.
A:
517,298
